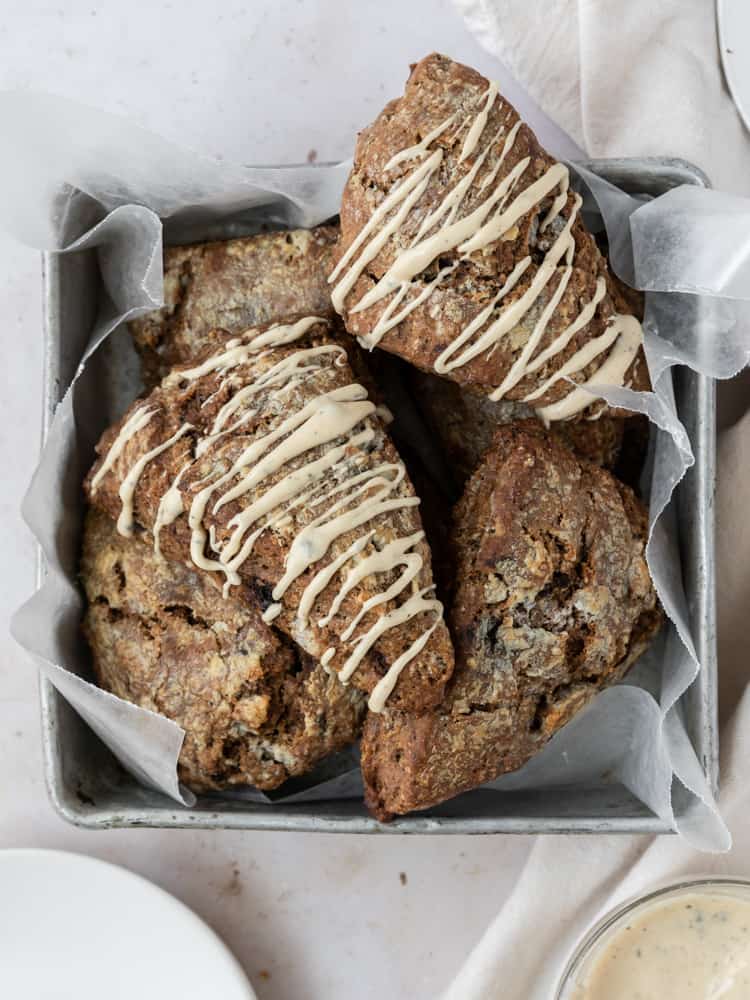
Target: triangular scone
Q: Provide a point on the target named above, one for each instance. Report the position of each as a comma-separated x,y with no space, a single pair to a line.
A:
553,602
265,463
256,710
463,250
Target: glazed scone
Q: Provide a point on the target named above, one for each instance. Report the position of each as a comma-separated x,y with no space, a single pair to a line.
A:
255,710
265,463
233,285
553,602
463,250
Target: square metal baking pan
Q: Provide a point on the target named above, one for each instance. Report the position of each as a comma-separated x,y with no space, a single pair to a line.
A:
90,789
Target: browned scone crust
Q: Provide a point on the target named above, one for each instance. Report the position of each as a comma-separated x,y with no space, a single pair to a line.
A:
437,89
465,421
554,601
255,709
183,399
599,441
233,285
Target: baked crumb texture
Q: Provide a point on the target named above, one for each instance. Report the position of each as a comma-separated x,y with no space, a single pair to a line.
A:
256,709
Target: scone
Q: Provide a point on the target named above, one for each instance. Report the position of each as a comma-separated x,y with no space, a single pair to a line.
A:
233,285
553,602
255,709
463,250
265,464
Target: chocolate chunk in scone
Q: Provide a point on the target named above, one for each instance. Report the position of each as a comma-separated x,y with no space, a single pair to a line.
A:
553,602
265,464
255,709
463,250
233,285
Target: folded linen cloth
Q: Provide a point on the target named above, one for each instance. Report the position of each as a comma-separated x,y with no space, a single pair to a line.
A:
624,79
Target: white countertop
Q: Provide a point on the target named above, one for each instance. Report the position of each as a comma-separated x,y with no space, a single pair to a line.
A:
267,82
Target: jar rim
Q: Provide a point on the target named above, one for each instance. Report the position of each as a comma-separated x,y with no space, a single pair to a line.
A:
594,934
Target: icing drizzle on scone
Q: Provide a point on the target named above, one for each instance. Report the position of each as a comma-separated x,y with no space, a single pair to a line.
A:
341,485
445,230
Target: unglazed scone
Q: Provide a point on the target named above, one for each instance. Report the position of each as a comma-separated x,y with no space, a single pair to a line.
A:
266,465
233,285
463,250
553,602
256,710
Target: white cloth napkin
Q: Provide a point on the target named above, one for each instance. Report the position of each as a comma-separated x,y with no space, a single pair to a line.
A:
628,79
633,78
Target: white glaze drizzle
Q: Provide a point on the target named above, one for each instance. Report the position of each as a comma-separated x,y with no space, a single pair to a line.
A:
396,553
303,428
406,194
477,126
280,334
444,230
271,613
170,508
611,372
416,605
563,339
344,415
324,576
130,482
415,151
135,423
238,351
386,684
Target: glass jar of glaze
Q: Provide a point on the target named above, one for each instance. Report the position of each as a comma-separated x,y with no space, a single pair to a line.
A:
687,941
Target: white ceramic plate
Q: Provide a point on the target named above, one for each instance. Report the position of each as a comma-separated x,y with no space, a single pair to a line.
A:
76,927
733,18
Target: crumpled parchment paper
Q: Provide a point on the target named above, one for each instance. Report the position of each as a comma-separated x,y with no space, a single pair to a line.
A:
72,178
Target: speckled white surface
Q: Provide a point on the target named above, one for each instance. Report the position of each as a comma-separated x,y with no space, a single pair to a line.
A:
263,82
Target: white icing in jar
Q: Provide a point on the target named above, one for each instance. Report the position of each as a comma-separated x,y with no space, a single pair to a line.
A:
689,941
